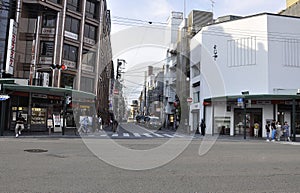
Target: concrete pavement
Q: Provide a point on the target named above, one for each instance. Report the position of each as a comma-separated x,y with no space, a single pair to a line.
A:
69,166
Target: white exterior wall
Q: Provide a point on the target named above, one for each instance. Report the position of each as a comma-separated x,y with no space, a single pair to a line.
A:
284,48
243,68
276,55
274,41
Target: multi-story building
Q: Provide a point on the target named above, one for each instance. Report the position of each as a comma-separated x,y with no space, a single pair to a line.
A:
174,21
248,76
188,28
292,8
39,34
289,3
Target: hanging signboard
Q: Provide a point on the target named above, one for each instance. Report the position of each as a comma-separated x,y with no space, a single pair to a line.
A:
11,47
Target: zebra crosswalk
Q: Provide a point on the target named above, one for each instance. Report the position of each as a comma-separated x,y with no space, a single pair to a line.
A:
138,135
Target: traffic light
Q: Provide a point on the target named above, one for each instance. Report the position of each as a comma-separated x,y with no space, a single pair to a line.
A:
53,66
68,100
57,66
63,67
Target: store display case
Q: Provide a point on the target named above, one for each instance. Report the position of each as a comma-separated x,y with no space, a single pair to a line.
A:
38,116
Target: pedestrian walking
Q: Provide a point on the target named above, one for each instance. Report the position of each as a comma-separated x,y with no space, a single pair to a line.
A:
286,131
273,127
19,124
256,128
84,125
278,131
268,126
100,122
203,127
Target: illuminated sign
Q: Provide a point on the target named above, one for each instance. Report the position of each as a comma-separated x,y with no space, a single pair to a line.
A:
4,97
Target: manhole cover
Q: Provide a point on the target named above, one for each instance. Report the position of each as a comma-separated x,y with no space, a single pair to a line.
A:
35,150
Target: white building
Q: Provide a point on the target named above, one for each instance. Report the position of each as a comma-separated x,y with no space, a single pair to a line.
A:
259,54
174,21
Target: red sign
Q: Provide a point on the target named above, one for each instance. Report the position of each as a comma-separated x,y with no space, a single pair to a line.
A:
116,91
206,103
189,100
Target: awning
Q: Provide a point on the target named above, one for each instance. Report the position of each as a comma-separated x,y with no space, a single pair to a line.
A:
253,97
75,94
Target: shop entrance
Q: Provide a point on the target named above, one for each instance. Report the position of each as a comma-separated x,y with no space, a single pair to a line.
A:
195,120
253,115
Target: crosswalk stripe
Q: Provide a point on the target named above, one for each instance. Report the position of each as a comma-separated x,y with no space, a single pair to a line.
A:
136,134
157,135
180,136
147,135
167,135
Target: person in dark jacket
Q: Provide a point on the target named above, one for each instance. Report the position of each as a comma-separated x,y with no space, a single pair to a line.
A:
268,126
203,127
19,124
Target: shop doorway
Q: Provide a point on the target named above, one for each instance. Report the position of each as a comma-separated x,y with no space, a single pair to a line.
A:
195,120
253,115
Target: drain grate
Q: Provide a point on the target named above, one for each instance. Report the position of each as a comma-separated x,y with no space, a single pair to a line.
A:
36,150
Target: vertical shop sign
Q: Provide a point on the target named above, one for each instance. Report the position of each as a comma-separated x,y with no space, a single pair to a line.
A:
11,47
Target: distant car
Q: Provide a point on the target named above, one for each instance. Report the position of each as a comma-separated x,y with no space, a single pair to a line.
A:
154,123
140,118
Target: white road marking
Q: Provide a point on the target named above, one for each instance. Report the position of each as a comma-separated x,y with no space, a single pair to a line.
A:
136,134
115,135
126,134
176,135
158,135
147,135
167,135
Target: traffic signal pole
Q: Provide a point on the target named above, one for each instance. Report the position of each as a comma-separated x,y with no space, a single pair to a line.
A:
64,114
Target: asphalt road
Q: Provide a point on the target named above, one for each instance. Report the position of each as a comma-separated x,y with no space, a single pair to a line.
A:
69,166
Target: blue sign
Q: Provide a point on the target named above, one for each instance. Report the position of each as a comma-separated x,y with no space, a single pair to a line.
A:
240,100
4,97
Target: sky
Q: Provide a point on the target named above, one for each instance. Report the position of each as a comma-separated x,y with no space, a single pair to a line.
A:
159,10
131,42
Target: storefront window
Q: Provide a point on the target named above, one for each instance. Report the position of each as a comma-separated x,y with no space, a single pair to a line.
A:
90,9
67,81
88,61
47,49
38,116
56,1
73,5
72,25
87,84
70,53
90,31
49,20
